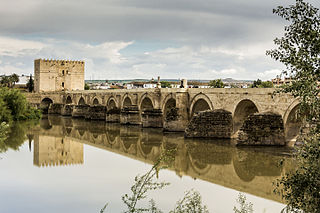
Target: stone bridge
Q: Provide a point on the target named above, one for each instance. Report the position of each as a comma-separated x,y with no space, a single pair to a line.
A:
173,109
57,141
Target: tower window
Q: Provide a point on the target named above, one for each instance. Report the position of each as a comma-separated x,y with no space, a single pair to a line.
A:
62,72
62,84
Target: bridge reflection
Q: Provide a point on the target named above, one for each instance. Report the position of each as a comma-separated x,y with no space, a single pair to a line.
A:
59,141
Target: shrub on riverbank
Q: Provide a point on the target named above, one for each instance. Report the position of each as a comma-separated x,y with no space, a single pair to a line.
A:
14,106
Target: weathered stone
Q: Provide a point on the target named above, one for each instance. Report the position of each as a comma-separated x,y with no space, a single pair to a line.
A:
58,75
210,124
152,118
113,115
80,110
67,110
96,112
55,109
130,115
262,129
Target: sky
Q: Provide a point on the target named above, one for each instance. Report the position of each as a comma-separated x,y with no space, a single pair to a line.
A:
130,39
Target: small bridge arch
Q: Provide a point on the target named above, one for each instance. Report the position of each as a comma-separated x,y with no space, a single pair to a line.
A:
69,100
292,121
96,101
146,103
242,110
200,102
112,103
126,101
81,101
45,104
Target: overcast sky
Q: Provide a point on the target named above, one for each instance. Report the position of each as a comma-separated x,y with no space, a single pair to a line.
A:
125,39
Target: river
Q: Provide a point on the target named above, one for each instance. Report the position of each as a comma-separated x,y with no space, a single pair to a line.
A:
74,165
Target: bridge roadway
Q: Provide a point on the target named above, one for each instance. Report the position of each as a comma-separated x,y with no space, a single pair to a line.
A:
247,170
171,109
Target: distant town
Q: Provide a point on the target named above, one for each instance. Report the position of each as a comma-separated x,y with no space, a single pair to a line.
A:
22,83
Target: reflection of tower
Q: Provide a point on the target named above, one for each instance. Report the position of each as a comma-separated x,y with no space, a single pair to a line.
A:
54,151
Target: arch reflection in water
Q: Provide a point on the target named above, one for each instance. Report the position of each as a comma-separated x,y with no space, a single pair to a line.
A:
246,169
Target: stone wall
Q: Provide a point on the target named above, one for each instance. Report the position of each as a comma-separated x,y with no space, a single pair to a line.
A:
210,124
58,75
152,118
262,129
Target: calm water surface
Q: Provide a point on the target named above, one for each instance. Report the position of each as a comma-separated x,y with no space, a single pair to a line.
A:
69,165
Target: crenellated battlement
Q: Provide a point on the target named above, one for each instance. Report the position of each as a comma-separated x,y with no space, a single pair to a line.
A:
61,61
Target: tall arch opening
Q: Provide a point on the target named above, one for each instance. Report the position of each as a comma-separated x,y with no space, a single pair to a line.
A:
95,101
200,105
170,109
111,105
293,124
81,101
242,111
69,100
127,102
45,104
146,104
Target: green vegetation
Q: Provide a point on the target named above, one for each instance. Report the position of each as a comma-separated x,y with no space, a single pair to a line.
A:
165,84
216,83
30,84
190,203
86,86
299,51
9,81
262,84
245,207
14,106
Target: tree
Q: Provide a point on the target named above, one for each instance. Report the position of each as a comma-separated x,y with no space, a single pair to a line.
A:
299,51
256,83
266,84
86,86
262,84
5,81
165,84
30,84
216,83
14,78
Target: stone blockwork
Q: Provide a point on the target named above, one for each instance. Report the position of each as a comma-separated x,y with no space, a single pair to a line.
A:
210,124
58,75
152,118
262,129
130,115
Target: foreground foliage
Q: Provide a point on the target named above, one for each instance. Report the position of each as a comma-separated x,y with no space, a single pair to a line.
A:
14,106
299,51
191,202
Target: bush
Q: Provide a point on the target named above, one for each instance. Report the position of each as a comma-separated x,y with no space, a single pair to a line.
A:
14,106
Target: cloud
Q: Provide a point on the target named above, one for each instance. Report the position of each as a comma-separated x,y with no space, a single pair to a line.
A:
194,39
269,74
17,47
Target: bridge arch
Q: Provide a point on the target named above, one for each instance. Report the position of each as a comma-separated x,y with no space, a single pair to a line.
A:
45,104
169,107
200,102
96,101
112,103
146,102
81,101
243,109
126,101
69,100
292,121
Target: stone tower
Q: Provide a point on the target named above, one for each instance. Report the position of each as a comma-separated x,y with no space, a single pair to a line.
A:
58,75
